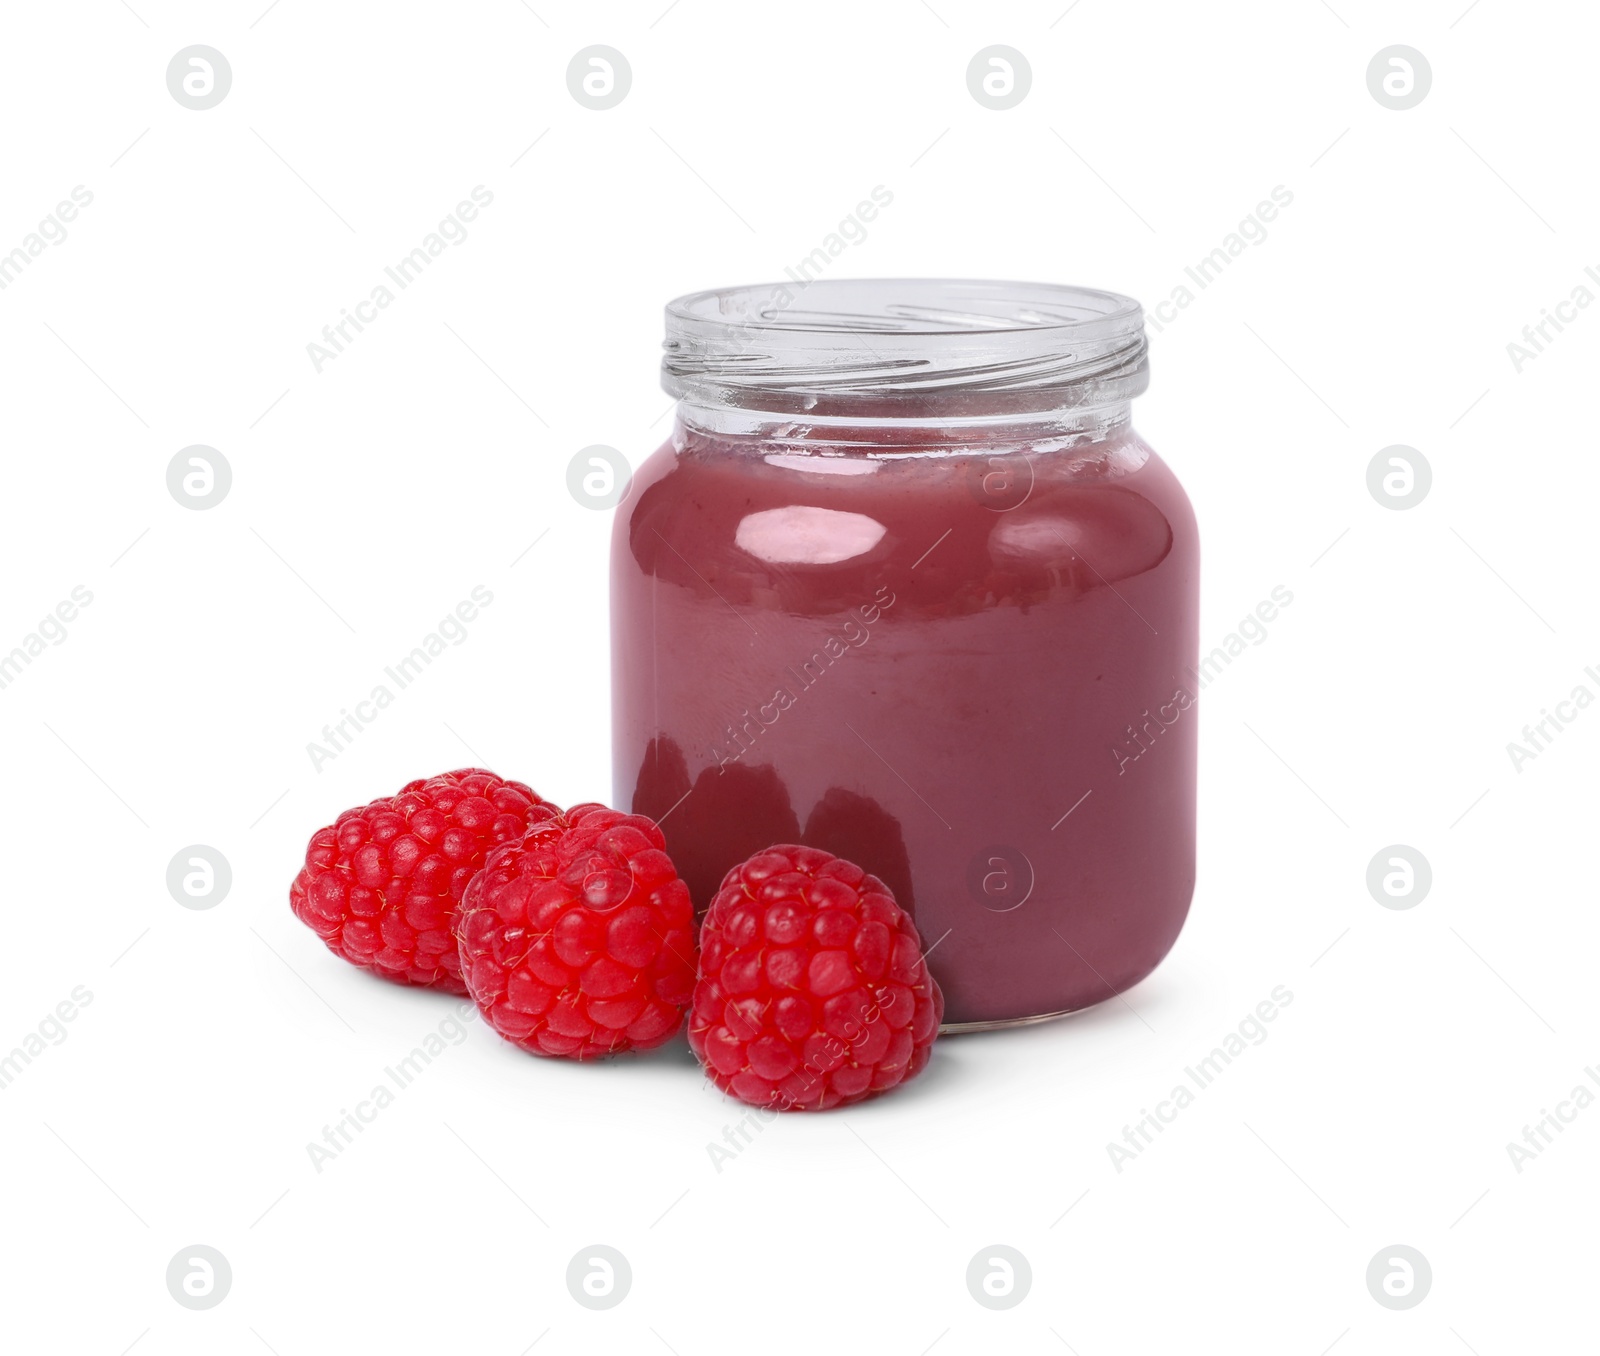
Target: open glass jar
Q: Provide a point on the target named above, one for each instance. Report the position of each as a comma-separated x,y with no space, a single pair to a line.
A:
905,584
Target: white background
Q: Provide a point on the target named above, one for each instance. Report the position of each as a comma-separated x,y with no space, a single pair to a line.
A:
369,498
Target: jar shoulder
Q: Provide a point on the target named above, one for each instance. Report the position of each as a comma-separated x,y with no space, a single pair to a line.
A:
962,530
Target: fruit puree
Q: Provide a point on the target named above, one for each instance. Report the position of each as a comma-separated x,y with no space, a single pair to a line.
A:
955,652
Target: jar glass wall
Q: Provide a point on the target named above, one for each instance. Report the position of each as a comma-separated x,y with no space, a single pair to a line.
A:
905,584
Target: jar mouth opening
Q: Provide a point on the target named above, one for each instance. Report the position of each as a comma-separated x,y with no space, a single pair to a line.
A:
846,345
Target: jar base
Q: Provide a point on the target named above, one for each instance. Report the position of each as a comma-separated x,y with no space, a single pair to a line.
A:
1002,1023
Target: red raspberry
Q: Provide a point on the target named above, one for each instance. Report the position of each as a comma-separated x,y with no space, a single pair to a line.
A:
813,992
578,940
382,882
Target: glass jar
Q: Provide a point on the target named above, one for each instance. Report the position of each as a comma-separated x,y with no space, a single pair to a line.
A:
905,584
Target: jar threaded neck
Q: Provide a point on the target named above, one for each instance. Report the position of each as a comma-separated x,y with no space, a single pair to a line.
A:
940,346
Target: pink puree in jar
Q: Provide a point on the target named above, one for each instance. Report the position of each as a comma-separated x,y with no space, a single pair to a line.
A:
947,632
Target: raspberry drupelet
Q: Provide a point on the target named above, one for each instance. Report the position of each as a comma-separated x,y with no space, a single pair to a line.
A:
813,992
381,884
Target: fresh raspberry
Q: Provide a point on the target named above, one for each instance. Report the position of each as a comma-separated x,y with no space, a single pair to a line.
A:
381,884
578,940
813,991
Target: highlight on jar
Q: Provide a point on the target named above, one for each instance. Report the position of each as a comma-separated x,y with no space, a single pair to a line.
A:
904,648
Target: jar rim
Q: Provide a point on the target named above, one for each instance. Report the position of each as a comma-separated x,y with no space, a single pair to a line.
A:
856,343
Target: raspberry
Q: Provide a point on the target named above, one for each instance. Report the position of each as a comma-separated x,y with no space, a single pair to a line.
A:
381,884
813,991
578,940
